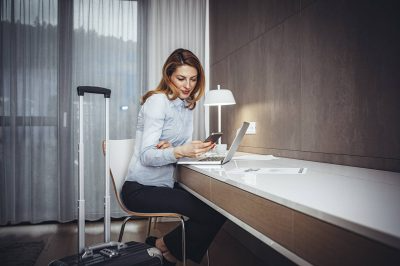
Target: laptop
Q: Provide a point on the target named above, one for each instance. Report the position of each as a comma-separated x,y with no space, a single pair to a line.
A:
212,159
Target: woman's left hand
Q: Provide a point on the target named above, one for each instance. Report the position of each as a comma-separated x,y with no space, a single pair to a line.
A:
193,149
163,144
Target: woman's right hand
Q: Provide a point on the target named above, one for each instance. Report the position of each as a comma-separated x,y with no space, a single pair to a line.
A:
163,144
193,149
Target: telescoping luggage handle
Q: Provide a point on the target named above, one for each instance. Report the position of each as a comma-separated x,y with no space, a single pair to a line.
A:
81,201
92,89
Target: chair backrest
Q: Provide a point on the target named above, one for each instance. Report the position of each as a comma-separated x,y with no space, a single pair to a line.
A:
120,152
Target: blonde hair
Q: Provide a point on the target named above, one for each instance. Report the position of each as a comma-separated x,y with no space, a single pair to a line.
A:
178,58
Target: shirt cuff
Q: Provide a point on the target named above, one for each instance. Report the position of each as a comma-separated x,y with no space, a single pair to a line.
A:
170,156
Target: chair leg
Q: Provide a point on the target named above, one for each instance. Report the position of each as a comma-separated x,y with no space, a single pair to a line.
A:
121,232
208,258
183,242
149,226
155,222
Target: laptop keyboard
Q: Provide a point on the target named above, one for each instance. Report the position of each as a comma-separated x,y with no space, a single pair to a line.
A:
211,159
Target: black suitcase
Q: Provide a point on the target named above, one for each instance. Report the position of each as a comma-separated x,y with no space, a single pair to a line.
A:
108,252
132,253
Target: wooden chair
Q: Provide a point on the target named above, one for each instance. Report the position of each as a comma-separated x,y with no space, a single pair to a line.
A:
121,152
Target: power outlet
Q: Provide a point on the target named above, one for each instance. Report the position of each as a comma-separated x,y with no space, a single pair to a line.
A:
251,130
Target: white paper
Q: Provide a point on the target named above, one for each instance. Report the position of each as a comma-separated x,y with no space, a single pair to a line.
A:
208,166
272,171
254,157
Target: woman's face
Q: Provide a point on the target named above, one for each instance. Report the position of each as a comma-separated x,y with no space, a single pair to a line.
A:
184,78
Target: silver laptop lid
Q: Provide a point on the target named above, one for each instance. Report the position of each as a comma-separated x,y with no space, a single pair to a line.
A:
236,142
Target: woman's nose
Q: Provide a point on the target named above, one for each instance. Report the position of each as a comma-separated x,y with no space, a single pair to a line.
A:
187,84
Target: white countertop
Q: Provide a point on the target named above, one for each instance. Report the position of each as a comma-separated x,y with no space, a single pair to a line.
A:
364,201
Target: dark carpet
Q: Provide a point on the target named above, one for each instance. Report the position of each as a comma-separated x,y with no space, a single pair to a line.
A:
20,253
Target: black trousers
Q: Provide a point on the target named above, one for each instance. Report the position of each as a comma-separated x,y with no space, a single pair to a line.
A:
201,227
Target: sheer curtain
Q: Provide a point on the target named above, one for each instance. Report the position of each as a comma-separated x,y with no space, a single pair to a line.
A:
28,110
105,55
48,48
176,24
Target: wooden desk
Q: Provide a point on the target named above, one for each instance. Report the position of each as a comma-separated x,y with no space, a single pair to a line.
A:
327,215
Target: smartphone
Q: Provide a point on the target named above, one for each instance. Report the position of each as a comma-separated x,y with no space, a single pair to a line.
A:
213,137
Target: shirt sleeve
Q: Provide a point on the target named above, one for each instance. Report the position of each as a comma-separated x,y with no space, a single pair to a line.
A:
154,113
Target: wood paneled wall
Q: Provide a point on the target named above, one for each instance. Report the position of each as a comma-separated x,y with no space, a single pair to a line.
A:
320,78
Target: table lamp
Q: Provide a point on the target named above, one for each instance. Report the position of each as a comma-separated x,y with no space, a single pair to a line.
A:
218,98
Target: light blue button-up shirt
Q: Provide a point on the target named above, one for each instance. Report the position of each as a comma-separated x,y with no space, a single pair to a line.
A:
159,119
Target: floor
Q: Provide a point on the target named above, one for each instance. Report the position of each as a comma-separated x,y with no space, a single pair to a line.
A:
61,240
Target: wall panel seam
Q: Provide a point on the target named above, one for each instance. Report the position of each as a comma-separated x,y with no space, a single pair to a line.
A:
258,36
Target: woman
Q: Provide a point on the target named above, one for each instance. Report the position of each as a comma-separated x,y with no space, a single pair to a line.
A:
163,135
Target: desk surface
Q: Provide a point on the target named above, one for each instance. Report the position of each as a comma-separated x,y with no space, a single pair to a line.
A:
361,200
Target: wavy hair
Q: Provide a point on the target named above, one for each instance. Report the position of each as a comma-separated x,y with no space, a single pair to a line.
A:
178,58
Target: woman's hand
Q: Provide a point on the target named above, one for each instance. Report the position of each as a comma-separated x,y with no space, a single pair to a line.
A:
163,144
193,149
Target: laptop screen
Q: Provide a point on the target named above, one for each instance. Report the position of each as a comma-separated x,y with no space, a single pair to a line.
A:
236,142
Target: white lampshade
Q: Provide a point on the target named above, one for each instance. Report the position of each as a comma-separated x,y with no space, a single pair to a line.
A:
219,97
